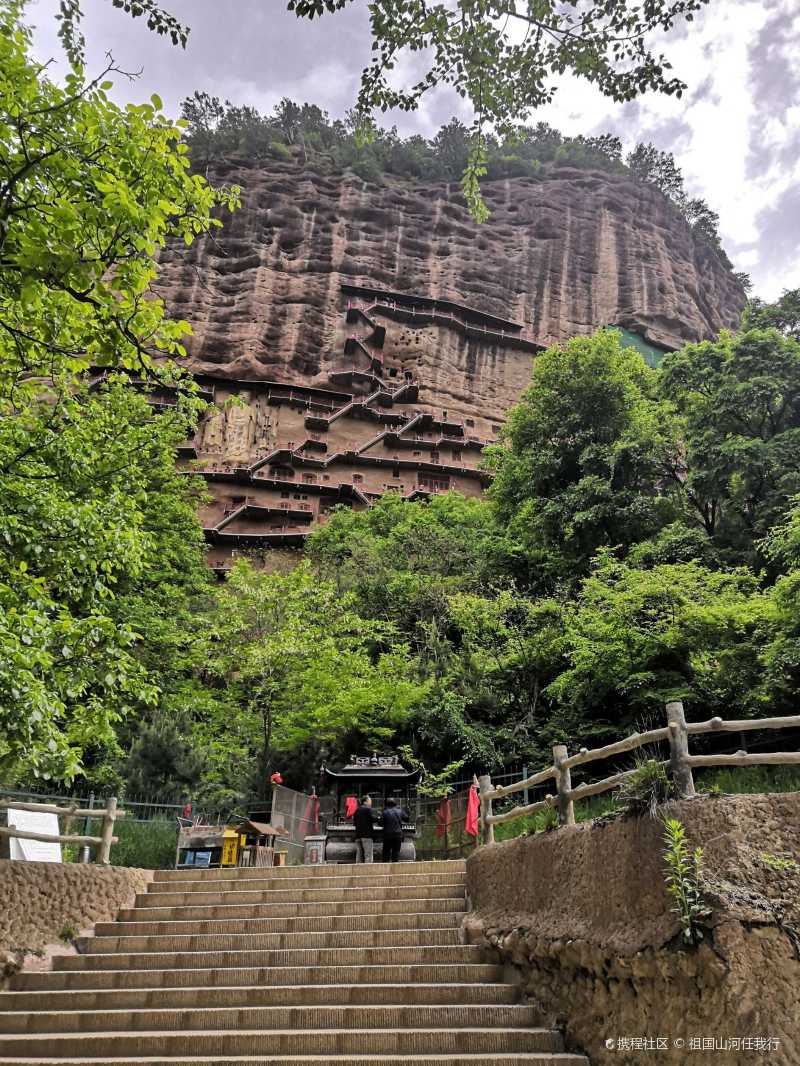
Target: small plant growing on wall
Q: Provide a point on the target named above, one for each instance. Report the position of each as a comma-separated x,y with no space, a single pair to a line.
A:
646,789
682,877
68,934
779,864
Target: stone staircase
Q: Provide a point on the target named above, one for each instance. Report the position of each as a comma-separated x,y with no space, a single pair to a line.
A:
296,965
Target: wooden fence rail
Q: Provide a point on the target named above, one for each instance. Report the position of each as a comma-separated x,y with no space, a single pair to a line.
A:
677,731
108,814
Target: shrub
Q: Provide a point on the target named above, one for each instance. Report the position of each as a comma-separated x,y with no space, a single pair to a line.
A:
646,789
148,845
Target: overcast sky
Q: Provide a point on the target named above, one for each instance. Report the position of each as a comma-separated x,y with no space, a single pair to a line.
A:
735,133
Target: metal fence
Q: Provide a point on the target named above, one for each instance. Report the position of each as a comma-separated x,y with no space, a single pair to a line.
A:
298,813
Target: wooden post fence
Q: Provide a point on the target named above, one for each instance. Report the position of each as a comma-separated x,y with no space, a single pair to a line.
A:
566,809
103,842
679,750
680,764
487,826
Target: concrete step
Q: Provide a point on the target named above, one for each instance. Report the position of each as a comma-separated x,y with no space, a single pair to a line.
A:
238,873
454,890
324,908
281,1042
259,976
533,1058
316,995
320,924
133,946
377,1015
386,882
198,960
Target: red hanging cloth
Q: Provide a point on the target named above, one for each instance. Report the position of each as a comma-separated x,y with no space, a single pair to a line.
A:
350,806
444,817
310,820
473,806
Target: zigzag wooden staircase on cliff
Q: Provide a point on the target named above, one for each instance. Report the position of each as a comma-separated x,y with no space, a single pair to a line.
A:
332,964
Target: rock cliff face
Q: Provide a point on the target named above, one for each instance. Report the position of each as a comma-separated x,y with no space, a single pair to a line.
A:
406,330
562,255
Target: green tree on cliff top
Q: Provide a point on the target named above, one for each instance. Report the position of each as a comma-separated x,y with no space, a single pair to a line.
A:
504,56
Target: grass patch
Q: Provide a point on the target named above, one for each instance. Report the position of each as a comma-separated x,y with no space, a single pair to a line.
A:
745,780
148,845
543,821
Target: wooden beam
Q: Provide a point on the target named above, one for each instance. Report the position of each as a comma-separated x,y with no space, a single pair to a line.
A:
520,812
566,812
596,787
518,786
107,835
635,740
48,838
776,758
51,808
679,765
714,725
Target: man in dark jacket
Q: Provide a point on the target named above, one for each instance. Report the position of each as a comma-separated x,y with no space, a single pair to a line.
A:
392,818
362,820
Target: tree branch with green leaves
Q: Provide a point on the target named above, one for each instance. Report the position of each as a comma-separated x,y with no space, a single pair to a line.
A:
505,57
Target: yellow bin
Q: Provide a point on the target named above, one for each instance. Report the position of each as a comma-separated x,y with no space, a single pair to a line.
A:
230,847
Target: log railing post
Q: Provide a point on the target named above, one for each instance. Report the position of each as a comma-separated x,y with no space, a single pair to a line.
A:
679,768
104,850
87,828
566,810
487,829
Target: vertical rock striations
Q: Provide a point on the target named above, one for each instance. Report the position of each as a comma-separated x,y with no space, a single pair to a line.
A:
378,335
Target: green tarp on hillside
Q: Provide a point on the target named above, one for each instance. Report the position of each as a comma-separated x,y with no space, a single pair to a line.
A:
652,353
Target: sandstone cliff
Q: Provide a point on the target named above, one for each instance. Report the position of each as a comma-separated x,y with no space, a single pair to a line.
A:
376,336
561,255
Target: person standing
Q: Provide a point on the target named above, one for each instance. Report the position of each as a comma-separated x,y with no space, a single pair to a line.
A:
362,820
392,818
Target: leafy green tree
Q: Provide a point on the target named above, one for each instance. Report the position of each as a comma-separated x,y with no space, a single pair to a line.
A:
650,165
402,560
88,193
88,489
476,47
582,463
513,649
654,167
637,638
783,314
738,463
452,147
301,667
163,762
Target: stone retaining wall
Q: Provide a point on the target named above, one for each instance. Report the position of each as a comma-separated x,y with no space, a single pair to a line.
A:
41,901
583,917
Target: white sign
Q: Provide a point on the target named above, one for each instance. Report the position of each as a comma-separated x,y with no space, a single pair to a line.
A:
34,822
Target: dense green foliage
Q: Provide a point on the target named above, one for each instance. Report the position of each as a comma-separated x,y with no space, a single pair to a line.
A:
219,130
641,540
593,585
95,525
505,58
587,590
